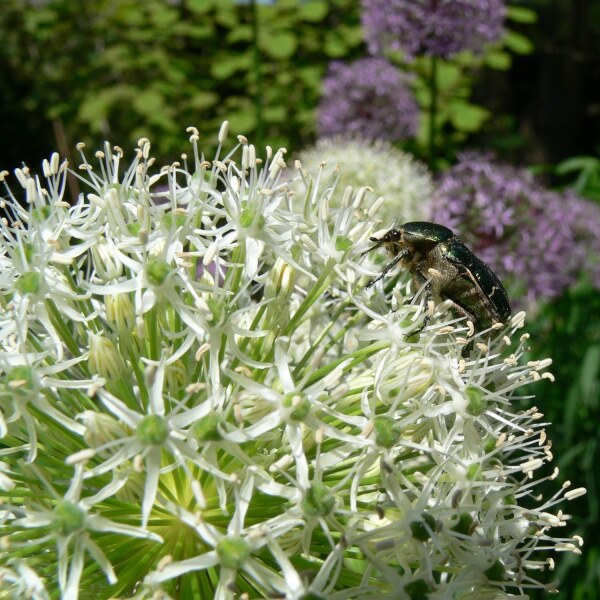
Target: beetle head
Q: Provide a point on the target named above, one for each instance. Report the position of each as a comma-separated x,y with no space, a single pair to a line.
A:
390,240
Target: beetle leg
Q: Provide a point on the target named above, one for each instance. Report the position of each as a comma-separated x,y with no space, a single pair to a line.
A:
427,317
468,348
403,254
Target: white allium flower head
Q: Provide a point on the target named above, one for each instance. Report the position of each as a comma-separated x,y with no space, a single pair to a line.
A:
199,395
404,183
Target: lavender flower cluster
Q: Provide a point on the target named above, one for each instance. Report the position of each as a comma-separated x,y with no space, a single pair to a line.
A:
433,27
538,241
369,98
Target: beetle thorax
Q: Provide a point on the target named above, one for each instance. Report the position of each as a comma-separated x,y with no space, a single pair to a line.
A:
431,265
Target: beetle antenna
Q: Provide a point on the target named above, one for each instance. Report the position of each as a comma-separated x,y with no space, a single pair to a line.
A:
376,245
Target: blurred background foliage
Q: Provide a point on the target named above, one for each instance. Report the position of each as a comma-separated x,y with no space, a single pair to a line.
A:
106,69
122,69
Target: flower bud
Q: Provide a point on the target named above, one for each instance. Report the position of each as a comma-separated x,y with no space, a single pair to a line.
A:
67,518
107,266
104,358
233,552
120,313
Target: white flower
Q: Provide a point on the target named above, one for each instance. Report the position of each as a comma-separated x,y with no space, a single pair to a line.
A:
198,342
231,551
23,581
404,183
154,433
70,522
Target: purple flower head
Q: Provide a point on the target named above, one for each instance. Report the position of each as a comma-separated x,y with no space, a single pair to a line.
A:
369,98
537,241
433,27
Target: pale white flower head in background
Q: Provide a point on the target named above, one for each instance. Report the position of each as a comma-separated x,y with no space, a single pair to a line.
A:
405,183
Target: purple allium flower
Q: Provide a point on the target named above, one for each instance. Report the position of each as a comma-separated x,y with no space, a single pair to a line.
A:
433,27
537,241
368,98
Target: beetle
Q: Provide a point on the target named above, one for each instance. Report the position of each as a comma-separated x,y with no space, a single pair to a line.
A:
440,261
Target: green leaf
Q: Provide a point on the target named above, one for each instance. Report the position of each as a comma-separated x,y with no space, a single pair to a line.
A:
199,6
577,163
310,76
201,100
224,69
227,15
334,46
199,31
313,10
589,372
498,60
148,102
280,45
353,36
275,114
520,14
518,43
241,33
96,107
467,117
242,121
448,75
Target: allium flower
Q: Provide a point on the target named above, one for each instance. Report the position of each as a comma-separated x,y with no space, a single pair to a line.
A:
538,241
369,98
404,182
433,27
22,582
201,399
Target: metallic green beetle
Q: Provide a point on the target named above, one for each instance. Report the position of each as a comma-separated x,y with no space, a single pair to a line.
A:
436,258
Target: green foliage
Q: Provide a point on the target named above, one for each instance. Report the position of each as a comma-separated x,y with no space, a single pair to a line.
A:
451,84
103,70
584,171
520,14
568,330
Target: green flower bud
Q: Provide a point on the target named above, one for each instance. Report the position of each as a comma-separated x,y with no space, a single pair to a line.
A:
418,589
41,213
496,572
157,271
120,313
281,280
152,430
206,429
107,266
387,432
29,283
477,404
68,518
318,501
174,220
421,529
104,358
343,243
299,404
233,552
247,216
465,522
473,471
217,310
100,428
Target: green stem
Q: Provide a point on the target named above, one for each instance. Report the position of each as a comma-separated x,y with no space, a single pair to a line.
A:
152,334
433,90
258,101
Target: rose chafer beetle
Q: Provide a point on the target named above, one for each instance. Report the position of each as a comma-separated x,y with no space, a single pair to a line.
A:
441,262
